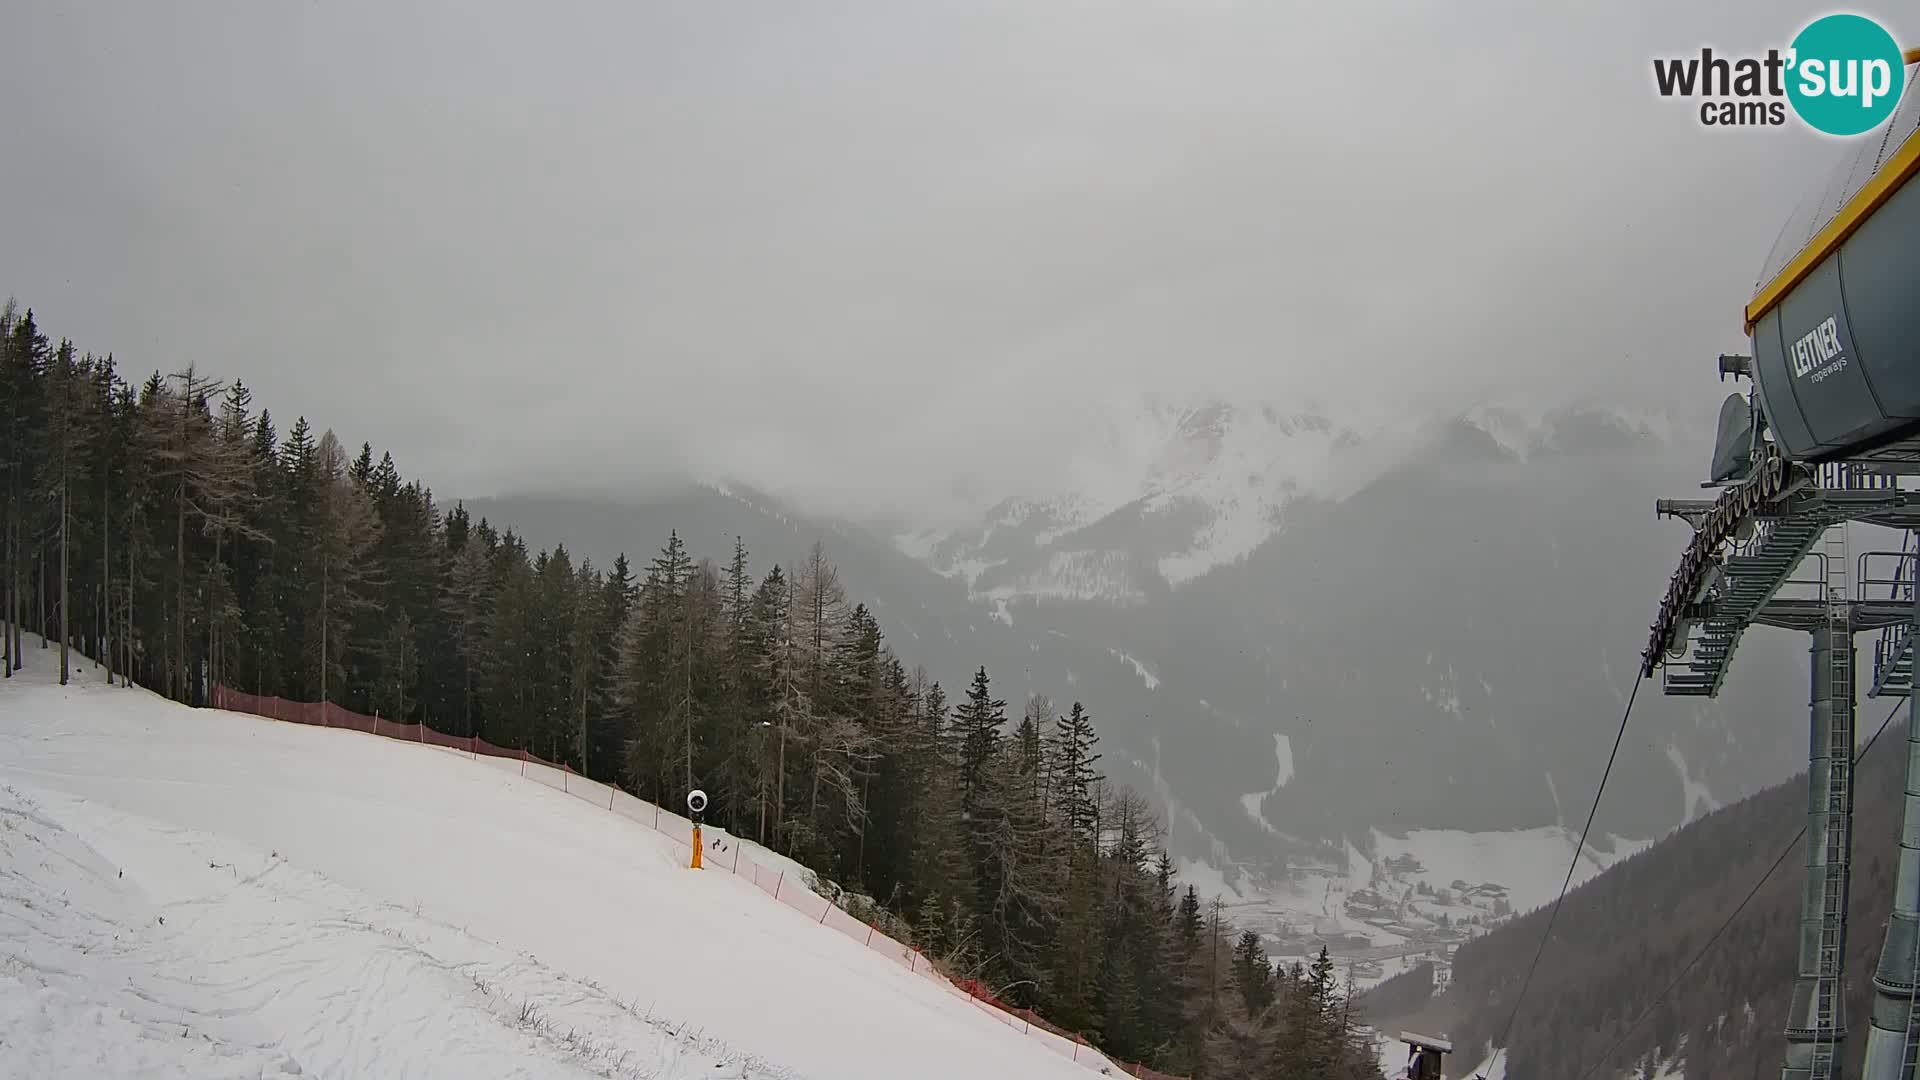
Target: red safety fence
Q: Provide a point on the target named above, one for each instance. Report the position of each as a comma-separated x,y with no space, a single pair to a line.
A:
770,880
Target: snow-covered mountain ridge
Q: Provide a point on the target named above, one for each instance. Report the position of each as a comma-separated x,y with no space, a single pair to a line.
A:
1169,491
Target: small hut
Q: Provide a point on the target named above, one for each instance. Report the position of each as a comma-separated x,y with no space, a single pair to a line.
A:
1425,1055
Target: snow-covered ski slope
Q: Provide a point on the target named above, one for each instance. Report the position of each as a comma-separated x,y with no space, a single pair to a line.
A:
197,893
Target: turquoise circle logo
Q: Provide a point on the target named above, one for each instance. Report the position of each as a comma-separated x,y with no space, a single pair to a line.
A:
1846,75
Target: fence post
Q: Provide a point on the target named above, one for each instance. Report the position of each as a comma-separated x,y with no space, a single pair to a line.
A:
523,762
736,856
473,746
869,935
777,884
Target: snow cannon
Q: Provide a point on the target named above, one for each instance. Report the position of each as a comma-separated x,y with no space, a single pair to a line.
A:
1834,323
1425,1056
696,805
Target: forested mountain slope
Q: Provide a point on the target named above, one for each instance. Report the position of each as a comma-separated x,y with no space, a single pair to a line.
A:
1623,936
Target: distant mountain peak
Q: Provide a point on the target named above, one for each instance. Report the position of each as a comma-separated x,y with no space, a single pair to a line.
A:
1174,487
1585,425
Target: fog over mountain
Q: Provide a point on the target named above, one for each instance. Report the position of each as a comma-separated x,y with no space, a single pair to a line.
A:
880,258
1294,629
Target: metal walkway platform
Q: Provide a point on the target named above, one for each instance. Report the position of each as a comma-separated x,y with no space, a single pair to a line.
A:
1746,586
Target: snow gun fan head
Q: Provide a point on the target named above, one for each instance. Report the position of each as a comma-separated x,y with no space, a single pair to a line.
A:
697,802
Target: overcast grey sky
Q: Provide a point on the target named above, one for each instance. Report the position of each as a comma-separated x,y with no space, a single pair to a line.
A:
868,250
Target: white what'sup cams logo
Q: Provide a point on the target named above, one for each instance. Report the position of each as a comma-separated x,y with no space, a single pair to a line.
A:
1842,75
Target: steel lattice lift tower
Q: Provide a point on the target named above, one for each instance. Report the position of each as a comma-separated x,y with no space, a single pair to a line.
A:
1829,428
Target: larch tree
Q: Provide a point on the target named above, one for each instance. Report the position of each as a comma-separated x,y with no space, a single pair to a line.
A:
791,708
206,478
348,529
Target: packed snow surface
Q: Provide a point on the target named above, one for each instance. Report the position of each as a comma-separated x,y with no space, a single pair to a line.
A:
196,893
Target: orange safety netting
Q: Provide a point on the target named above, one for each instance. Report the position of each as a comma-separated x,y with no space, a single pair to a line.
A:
769,880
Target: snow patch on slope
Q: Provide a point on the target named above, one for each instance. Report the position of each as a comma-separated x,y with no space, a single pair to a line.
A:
1066,575
1148,677
1178,814
969,570
1359,869
1243,469
1283,757
1207,880
1250,802
1700,801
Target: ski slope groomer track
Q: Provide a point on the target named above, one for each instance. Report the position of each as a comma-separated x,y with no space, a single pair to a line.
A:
186,892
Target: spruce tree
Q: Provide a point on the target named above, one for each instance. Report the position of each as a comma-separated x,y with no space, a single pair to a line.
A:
1023,870
1072,768
1190,923
65,468
977,723
399,664
1252,974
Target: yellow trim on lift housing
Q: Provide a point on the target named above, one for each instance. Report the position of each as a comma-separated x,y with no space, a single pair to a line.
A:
1889,180
1884,184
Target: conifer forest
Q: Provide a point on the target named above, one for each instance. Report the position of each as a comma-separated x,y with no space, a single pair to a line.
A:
170,529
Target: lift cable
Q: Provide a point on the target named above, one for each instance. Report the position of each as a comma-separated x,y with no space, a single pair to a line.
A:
1600,1061
1574,864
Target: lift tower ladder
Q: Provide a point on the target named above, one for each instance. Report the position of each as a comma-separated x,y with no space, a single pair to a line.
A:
1829,1002
1893,1034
